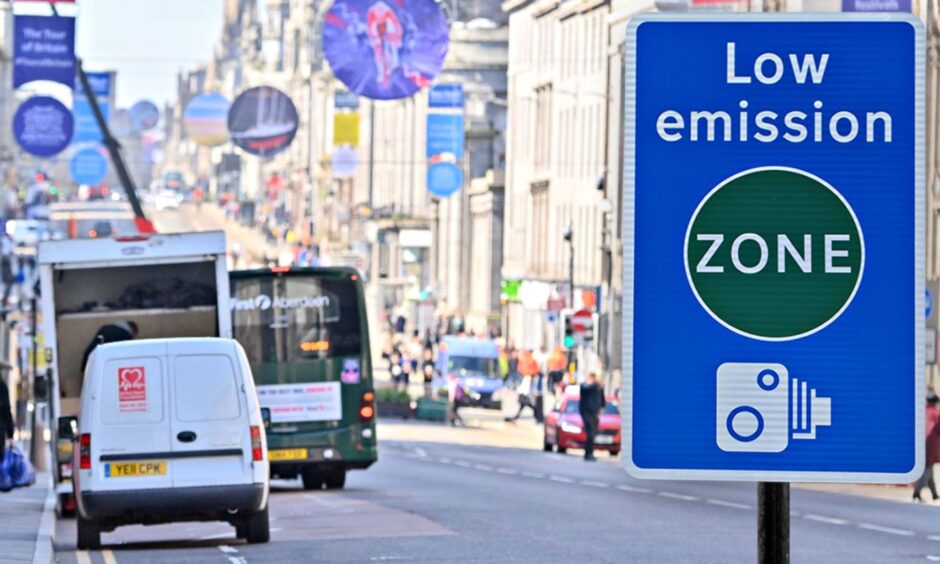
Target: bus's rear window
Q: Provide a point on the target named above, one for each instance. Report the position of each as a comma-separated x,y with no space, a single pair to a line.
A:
294,318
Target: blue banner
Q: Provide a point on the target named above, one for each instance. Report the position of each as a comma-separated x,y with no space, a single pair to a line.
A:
446,96
88,166
445,136
876,6
86,126
385,50
43,49
42,126
345,100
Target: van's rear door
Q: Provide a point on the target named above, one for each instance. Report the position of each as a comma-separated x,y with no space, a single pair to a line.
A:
130,437
210,424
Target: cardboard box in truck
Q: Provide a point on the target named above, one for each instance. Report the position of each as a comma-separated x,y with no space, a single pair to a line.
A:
169,285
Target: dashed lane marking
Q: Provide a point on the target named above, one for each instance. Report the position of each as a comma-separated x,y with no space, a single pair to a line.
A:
483,467
889,530
935,538
723,503
561,479
634,489
674,495
825,519
507,471
594,484
537,475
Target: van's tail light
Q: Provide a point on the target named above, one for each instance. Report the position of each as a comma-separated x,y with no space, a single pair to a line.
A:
367,406
84,451
257,454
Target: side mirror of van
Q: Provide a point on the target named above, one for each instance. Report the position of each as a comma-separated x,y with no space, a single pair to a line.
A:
266,417
68,428
41,388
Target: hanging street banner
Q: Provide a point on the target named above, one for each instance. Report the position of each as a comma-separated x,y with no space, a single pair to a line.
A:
262,121
876,6
43,49
385,50
86,126
88,166
345,129
205,119
448,95
42,126
774,247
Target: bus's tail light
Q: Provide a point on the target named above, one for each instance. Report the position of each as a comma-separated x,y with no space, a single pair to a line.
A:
257,454
84,451
367,406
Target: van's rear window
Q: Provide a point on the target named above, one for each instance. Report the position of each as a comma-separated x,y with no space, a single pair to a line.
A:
296,318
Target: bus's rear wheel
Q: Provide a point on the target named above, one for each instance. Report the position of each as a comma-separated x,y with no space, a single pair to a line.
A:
312,479
336,479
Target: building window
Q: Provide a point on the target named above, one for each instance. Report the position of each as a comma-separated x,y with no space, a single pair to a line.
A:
541,239
543,120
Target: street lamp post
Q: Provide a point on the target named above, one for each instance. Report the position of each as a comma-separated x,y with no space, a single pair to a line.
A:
569,237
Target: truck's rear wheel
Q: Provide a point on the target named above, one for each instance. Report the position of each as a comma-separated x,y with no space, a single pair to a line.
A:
257,527
89,534
336,479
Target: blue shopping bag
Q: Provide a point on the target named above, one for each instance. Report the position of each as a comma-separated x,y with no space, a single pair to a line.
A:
22,472
6,471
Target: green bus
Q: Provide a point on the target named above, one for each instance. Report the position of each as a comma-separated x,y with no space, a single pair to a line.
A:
307,338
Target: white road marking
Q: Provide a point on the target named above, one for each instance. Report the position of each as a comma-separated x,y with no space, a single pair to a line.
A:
237,560
108,557
420,451
824,519
536,475
462,464
933,558
889,530
484,467
227,549
674,495
634,489
561,479
723,503
507,471
594,484
935,538
82,557
444,460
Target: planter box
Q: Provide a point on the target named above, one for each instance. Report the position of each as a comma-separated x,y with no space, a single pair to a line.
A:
431,410
393,409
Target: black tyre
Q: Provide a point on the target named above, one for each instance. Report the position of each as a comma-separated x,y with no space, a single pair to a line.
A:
336,479
614,453
241,531
257,527
547,446
562,450
89,534
312,480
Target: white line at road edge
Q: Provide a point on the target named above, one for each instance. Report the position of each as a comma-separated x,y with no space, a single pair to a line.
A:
889,530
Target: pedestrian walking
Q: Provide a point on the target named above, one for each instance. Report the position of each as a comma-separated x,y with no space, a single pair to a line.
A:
6,419
932,451
557,363
458,398
395,369
427,371
526,400
590,405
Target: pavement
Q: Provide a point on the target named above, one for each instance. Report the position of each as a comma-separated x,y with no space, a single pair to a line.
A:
27,516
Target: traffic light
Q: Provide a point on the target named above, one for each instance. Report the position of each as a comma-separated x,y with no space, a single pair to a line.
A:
569,334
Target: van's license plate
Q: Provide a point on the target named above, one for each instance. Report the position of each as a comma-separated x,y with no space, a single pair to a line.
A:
132,469
287,454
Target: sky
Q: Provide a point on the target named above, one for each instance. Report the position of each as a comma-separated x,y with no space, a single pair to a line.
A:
147,42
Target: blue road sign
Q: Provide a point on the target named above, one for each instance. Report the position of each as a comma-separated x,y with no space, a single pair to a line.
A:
42,126
88,166
773,261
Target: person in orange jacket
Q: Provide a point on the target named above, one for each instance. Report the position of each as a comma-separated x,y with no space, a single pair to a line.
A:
557,363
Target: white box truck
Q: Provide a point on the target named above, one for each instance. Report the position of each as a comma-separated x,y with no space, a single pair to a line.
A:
168,285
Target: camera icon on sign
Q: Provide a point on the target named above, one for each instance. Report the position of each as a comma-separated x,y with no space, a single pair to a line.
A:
760,408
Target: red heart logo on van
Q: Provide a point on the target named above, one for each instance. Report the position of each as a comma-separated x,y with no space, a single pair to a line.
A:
131,378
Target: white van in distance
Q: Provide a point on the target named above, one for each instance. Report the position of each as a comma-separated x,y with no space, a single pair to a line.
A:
170,430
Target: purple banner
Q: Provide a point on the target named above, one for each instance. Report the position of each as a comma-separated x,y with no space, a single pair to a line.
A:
388,49
876,6
43,49
263,121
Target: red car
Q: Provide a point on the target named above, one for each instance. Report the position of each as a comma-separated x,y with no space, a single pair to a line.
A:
564,428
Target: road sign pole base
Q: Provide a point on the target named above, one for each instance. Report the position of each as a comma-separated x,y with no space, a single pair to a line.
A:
773,523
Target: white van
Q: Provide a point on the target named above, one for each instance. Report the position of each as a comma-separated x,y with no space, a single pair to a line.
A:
170,430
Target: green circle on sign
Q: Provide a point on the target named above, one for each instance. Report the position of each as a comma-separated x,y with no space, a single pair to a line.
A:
774,253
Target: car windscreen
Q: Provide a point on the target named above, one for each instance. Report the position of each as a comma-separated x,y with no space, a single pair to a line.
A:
296,318
472,365
609,408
